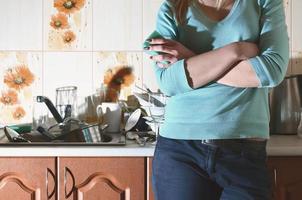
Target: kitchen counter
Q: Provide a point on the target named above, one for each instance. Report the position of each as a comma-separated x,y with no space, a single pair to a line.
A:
278,145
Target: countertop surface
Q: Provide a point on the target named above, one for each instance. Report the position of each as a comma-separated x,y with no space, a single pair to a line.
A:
278,145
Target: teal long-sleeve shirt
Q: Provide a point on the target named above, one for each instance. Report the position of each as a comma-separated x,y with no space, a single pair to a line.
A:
217,111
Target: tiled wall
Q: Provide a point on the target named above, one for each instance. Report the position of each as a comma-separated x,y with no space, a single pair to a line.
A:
106,33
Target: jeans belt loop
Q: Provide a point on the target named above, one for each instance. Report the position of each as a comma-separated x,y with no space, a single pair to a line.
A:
206,141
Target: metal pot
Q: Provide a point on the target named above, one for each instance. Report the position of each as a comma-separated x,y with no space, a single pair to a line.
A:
285,106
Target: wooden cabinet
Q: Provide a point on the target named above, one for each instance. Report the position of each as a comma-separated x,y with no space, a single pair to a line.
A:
102,178
286,177
27,178
115,178
74,178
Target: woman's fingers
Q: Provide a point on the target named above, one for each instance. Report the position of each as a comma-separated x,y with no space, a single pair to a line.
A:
155,41
164,57
164,49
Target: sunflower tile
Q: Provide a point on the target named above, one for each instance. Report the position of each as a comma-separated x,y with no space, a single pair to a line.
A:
112,67
149,78
68,25
21,74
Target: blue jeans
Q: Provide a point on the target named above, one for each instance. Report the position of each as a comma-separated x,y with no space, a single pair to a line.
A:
192,170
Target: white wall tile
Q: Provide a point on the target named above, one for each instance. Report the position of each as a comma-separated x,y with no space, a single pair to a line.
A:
150,10
21,24
65,69
117,25
80,23
288,14
296,37
297,25
111,60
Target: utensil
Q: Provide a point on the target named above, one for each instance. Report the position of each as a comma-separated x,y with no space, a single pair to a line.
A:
285,104
146,87
13,136
47,134
134,136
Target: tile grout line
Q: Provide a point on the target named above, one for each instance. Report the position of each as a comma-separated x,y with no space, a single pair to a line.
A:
92,48
56,51
142,53
43,64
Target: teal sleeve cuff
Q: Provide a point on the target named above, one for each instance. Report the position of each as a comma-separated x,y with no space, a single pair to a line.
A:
180,77
260,71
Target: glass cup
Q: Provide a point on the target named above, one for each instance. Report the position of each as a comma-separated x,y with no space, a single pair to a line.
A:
157,103
66,101
40,115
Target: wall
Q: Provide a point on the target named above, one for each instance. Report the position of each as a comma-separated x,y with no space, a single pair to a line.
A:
107,34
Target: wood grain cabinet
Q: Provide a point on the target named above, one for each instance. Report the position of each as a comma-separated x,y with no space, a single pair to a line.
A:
27,178
102,178
115,178
74,178
286,177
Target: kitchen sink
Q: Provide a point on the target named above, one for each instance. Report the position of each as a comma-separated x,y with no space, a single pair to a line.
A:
36,139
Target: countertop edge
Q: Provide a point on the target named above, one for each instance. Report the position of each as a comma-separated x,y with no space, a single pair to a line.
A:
278,145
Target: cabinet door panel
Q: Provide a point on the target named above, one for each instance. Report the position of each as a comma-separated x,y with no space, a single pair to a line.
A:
292,191
25,178
102,178
288,177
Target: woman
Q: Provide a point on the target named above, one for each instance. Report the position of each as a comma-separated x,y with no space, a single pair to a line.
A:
223,56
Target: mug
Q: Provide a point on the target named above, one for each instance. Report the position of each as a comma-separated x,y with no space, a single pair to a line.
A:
110,113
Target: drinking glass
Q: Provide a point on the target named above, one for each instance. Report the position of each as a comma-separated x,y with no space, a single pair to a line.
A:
66,101
157,103
40,115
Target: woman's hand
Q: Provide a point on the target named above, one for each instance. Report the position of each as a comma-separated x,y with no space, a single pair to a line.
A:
171,50
246,50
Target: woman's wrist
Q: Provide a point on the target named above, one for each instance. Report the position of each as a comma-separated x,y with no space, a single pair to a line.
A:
234,51
245,50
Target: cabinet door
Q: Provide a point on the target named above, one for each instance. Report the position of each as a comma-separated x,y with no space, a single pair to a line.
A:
27,178
288,177
102,178
272,168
